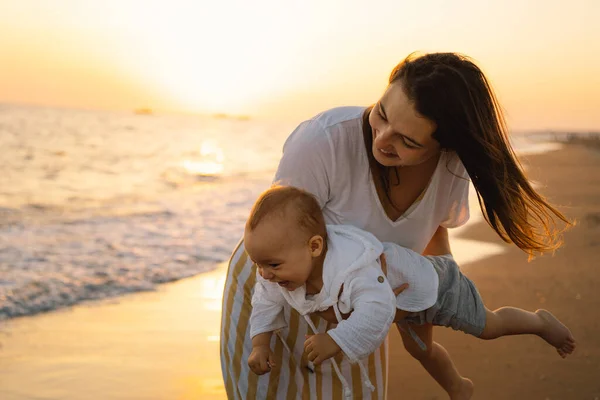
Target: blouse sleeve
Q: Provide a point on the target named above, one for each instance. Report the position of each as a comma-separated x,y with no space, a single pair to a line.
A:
267,308
458,202
307,162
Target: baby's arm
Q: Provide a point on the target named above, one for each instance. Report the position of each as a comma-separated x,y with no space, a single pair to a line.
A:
267,308
373,303
266,317
261,359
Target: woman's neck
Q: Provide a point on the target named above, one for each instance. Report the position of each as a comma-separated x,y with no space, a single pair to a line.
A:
404,186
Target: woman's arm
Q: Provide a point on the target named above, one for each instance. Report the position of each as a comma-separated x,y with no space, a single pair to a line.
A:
400,315
439,243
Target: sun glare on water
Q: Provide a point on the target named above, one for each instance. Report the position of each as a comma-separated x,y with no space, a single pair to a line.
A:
210,162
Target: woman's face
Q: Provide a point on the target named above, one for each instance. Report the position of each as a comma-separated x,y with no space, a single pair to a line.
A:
401,136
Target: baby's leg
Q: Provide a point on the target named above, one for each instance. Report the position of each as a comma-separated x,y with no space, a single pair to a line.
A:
436,360
515,321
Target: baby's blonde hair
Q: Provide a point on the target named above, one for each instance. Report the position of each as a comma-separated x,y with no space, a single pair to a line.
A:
289,202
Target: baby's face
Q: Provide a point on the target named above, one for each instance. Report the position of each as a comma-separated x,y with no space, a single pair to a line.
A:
278,251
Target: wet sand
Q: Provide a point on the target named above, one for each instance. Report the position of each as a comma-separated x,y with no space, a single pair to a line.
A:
164,344
155,345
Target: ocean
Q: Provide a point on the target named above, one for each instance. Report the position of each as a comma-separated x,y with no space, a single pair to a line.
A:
96,204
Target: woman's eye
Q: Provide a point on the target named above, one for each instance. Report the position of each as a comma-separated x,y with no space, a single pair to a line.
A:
380,115
410,146
273,265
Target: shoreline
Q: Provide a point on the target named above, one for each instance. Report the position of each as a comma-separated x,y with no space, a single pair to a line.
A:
532,145
164,343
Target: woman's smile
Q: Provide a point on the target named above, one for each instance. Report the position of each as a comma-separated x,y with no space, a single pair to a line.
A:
388,153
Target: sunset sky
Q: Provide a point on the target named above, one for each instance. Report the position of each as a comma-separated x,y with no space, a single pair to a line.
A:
292,58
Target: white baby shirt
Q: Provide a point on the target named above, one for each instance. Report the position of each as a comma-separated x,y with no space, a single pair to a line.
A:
352,260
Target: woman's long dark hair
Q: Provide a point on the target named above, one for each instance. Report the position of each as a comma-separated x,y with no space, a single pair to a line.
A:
452,91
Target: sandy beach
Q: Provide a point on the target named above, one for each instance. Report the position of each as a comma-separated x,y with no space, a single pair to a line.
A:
164,344
566,283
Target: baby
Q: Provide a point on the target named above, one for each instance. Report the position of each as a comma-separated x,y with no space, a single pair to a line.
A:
313,266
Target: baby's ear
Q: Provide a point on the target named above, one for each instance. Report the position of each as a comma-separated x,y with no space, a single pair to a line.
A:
316,245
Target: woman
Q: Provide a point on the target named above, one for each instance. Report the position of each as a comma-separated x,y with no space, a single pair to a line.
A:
399,170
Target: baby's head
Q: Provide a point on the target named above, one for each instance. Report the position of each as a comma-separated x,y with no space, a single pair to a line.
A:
286,237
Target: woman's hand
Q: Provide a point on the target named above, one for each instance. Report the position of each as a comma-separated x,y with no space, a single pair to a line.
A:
399,289
400,314
329,314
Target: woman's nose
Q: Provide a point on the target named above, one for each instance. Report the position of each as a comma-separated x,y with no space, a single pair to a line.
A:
385,132
381,134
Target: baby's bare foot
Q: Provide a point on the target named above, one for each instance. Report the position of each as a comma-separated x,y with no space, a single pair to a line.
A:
465,392
556,333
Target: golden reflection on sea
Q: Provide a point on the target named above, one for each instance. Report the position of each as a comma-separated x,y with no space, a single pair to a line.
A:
209,163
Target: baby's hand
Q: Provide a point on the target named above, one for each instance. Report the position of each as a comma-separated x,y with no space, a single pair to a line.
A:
320,347
261,359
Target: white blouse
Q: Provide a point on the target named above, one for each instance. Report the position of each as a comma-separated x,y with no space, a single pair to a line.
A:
326,156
